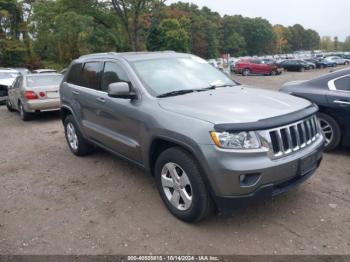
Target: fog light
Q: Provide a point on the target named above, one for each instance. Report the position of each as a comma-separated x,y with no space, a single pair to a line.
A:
248,180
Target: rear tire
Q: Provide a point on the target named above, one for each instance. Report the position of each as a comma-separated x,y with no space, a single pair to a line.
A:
188,201
25,116
331,131
302,69
76,142
9,106
274,72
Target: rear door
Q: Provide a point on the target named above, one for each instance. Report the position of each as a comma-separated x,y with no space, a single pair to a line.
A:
83,80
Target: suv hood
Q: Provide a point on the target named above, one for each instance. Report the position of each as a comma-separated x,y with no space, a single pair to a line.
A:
233,105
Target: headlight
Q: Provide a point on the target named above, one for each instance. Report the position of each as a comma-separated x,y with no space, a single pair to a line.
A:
238,140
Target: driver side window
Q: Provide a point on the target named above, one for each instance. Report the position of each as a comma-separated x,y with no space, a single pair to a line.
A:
113,73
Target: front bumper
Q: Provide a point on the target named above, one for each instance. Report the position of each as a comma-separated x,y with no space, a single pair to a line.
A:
272,176
42,105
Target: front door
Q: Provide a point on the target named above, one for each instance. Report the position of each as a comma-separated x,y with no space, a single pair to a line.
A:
118,119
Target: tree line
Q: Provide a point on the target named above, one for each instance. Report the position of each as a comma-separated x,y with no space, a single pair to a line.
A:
50,33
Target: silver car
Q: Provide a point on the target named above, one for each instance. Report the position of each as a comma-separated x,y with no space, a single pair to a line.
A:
34,93
208,141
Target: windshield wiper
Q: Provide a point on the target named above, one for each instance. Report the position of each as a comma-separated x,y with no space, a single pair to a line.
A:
177,92
187,91
211,87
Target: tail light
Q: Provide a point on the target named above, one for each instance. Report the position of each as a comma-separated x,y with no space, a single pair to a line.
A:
30,95
42,94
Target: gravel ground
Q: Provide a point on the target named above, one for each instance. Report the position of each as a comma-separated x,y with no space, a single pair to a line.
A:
55,203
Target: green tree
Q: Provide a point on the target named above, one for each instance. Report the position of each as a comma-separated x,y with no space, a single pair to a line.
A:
346,44
258,35
130,13
173,36
326,43
281,35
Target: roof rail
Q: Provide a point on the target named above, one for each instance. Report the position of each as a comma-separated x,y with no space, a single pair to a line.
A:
97,54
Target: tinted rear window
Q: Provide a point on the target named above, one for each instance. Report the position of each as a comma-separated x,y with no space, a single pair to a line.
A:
44,80
90,75
74,74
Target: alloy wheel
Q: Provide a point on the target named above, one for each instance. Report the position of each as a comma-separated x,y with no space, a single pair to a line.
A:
327,131
72,137
176,186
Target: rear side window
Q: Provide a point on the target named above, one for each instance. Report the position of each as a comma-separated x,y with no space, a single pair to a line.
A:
343,83
74,75
90,75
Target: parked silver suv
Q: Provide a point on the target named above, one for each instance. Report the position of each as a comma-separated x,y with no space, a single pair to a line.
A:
208,141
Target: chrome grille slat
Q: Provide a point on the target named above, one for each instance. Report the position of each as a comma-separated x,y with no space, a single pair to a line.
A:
297,136
291,138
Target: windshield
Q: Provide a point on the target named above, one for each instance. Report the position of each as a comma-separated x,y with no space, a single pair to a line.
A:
173,74
44,80
5,75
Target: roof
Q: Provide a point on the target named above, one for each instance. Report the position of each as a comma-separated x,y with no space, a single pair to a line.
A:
136,56
43,74
8,70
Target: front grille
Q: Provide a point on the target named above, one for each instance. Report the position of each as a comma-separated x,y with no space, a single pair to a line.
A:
294,137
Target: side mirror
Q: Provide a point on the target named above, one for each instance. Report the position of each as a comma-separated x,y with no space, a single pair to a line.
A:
121,90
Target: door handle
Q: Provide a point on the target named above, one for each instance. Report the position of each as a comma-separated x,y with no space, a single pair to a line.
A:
75,92
101,100
342,102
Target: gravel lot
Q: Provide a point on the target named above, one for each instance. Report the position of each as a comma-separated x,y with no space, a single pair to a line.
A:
55,203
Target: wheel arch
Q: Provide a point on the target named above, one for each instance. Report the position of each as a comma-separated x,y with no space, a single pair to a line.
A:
160,143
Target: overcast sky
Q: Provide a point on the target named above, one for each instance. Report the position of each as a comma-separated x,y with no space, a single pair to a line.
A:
328,17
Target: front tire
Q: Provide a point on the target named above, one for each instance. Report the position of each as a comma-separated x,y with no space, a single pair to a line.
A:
331,131
181,186
246,72
76,142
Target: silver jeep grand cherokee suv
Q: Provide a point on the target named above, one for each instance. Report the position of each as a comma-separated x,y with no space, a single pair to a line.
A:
208,141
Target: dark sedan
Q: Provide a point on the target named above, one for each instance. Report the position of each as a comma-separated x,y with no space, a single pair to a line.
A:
331,92
294,65
320,64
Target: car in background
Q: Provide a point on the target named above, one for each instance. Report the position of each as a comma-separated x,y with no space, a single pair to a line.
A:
22,70
44,71
256,66
320,64
310,64
7,77
338,60
34,93
331,92
294,65
213,63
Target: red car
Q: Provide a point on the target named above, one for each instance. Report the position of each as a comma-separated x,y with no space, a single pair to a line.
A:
256,66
